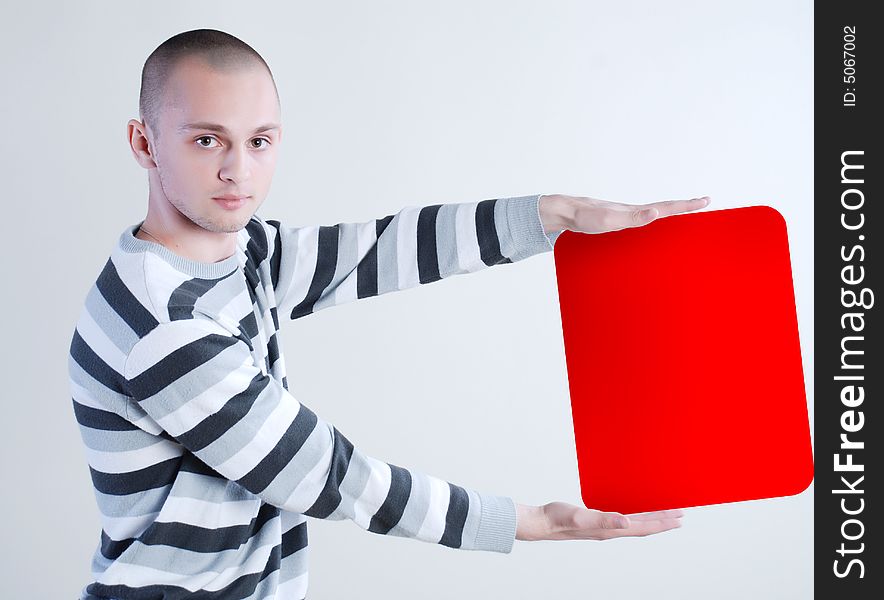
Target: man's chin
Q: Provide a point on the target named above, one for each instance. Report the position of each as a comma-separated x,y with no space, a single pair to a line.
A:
225,227
233,228
232,224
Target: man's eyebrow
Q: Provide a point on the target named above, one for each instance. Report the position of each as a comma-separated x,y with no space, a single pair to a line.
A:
221,129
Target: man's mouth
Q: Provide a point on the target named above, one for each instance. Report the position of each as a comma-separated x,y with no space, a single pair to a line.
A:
230,201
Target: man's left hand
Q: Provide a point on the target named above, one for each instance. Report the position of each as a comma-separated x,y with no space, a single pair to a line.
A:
589,215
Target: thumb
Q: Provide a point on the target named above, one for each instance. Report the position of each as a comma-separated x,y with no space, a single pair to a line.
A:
641,217
614,521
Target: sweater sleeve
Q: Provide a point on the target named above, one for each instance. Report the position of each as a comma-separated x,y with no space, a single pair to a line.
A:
314,267
198,381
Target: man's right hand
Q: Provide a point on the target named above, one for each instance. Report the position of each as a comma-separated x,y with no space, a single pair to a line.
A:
562,521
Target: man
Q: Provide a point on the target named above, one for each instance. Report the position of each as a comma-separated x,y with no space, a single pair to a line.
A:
205,467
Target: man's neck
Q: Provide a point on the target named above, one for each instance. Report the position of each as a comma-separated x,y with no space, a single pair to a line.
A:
188,245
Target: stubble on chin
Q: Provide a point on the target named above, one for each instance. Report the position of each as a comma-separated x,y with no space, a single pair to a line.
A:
211,223
225,226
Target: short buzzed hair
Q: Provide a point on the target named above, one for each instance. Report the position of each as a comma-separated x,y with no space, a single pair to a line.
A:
218,49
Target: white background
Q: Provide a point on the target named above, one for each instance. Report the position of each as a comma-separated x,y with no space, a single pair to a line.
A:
387,104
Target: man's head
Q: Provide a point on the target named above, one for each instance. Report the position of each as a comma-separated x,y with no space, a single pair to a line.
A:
210,127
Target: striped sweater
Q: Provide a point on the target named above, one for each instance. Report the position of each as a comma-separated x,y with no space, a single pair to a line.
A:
204,466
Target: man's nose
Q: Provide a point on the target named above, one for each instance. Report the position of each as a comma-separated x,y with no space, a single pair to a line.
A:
236,165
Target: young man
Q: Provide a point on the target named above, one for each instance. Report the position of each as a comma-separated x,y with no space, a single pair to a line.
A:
205,467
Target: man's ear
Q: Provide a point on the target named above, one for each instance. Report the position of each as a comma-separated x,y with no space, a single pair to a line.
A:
137,135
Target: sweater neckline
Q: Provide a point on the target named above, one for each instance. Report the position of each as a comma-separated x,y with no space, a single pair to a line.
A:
129,243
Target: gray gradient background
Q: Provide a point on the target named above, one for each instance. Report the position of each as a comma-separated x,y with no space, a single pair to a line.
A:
387,104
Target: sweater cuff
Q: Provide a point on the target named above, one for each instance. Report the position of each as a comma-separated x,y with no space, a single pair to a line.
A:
521,231
497,524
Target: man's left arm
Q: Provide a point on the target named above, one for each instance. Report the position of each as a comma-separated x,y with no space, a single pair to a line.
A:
315,267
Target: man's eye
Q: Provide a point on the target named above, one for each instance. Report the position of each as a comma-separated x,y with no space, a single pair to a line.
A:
205,137
266,142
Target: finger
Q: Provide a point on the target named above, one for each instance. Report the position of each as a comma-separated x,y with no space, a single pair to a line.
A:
643,214
671,207
615,220
688,202
644,528
672,513
669,512
610,520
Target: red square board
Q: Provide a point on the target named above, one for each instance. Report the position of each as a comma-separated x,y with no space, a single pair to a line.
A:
684,361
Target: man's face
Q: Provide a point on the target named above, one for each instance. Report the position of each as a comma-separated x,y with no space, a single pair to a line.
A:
198,161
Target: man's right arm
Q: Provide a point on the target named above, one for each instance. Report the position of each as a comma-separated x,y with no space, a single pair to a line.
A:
200,384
